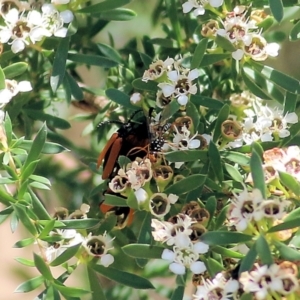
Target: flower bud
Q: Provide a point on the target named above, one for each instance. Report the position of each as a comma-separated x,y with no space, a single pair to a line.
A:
231,130
160,203
189,207
61,213
201,215
197,231
163,176
209,29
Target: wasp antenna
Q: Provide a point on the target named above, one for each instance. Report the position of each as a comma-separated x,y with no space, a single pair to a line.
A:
134,113
110,122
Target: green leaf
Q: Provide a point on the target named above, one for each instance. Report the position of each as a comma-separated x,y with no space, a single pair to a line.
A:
178,293
119,97
225,252
59,63
95,285
2,79
28,170
222,116
249,260
144,236
39,208
234,173
213,266
42,267
118,14
269,89
193,113
79,224
276,9
147,60
25,262
40,179
254,86
224,43
103,6
210,59
143,251
51,120
224,237
286,252
290,182
295,32
236,157
66,255
247,296
110,52
30,285
68,292
186,185
294,214
75,89
199,53
48,148
123,278
24,243
290,101
22,213
286,82
47,228
16,69
215,161
36,147
141,85
285,225
8,128
207,102
263,251
257,173
93,60
188,155
211,206
170,110
114,200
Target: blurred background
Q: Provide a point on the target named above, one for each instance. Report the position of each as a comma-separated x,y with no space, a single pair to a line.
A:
13,273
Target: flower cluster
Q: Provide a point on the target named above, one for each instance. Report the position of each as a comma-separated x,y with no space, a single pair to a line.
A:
183,232
175,81
24,24
249,207
135,176
217,288
281,160
90,246
260,122
276,280
243,33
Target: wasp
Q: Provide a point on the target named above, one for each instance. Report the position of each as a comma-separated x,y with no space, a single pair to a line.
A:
132,134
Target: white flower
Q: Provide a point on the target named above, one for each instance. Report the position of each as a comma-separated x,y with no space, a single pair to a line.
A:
69,238
166,232
141,195
245,208
12,89
106,260
98,246
199,6
177,268
135,98
238,54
